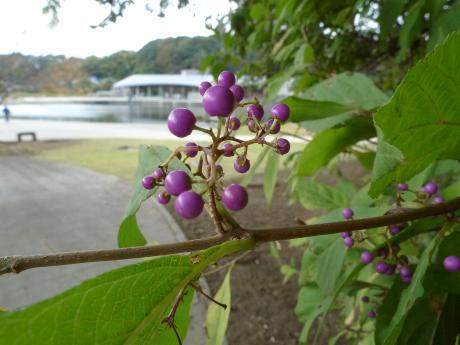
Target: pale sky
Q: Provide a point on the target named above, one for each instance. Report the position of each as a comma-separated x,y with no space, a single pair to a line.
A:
24,29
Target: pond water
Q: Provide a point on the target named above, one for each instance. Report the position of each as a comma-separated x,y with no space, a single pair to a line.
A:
110,112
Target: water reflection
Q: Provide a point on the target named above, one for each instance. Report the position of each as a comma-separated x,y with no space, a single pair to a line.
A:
108,112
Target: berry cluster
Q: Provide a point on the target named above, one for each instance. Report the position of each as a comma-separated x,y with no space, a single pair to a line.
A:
426,193
221,101
387,259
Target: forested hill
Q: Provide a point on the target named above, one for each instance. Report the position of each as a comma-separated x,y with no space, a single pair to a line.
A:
60,75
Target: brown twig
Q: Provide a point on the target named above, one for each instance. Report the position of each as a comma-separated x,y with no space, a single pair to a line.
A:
169,320
16,264
214,213
200,290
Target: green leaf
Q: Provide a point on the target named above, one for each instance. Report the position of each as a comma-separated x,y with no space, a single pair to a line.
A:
333,340
305,110
312,195
217,319
366,159
271,175
307,267
452,191
410,28
390,10
412,293
357,285
129,234
287,271
387,159
308,322
330,264
448,326
421,120
259,11
343,93
97,311
123,306
327,303
437,279
386,311
308,300
361,198
304,55
421,322
325,123
444,25
150,157
355,90
330,142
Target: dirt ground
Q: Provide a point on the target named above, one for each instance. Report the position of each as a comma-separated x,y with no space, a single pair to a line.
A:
262,310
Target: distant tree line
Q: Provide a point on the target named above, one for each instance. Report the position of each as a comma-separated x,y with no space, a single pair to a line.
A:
60,75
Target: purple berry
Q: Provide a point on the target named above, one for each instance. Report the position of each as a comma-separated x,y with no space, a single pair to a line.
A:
406,279
252,126
234,123
345,234
204,86
347,213
283,146
255,110
405,271
163,198
402,187
148,182
273,128
191,152
365,299
394,229
235,197
381,267
158,174
242,164
438,199
238,92
383,252
189,204
177,182
280,111
226,78
349,241
390,270
228,150
430,188
371,314
452,263
181,122
218,101
366,257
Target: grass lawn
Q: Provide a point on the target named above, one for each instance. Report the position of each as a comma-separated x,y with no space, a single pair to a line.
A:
111,156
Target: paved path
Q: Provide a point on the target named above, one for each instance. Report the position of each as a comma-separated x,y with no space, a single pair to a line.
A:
47,207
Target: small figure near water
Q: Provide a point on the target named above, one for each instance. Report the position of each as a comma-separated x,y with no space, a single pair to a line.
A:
6,113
